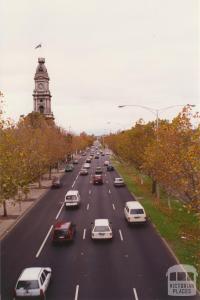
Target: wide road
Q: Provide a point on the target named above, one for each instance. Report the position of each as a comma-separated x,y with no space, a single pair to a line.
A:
132,266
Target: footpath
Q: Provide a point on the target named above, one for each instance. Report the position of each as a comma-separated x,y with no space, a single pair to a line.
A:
16,210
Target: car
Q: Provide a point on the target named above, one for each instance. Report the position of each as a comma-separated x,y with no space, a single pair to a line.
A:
75,161
86,165
69,168
102,154
119,182
56,183
134,212
97,179
33,282
110,168
98,170
88,160
96,156
101,229
83,171
84,154
72,198
63,232
106,163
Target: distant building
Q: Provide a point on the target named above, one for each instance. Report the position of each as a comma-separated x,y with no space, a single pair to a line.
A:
41,93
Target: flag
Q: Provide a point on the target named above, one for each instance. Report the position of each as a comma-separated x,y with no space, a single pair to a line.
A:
38,46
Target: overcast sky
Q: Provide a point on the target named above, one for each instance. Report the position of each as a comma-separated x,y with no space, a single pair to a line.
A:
100,54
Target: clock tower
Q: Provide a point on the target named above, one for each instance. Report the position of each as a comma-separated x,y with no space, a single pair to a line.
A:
41,93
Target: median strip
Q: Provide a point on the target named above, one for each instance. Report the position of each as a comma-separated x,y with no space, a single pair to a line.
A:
43,243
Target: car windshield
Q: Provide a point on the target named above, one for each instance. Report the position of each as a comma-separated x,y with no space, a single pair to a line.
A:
101,228
28,284
71,197
137,211
59,232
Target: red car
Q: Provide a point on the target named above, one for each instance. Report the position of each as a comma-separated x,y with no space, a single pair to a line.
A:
63,232
97,179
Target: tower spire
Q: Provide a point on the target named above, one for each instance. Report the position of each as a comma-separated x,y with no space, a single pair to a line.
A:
41,93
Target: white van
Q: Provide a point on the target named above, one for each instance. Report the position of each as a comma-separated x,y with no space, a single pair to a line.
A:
134,212
72,198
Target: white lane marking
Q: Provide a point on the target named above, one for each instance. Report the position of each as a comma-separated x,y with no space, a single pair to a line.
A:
135,294
84,233
109,191
59,211
43,243
76,294
113,206
121,236
75,181
88,206
90,192
106,181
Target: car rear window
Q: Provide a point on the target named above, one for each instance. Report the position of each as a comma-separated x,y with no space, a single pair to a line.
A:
101,229
71,197
28,284
137,211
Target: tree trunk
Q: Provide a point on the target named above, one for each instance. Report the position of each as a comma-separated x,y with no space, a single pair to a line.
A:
39,183
5,214
153,189
49,172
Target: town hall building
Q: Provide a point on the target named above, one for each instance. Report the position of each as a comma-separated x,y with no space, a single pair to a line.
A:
41,93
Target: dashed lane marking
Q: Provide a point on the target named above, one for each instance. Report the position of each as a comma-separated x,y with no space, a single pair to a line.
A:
90,192
88,206
84,234
43,243
59,211
135,294
109,191
113,206
121,236
76,293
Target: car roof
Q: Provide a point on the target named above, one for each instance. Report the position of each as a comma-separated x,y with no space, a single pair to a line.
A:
62,225
30,273
74,192
134,204
101,222
118,178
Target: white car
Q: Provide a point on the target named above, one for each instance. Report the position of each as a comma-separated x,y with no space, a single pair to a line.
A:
106,163
72,198
134,212
101,229
33,282
86,166
119,182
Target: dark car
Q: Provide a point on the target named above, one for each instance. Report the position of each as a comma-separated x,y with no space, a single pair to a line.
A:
97,179
88,160
56,183
69,168
110,168
96,156
63,232
98,170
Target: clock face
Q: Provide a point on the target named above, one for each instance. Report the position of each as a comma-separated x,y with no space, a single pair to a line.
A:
40,86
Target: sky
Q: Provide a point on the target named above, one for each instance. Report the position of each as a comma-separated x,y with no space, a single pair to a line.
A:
100,54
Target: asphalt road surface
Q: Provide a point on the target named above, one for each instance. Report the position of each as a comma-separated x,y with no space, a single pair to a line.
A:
132,266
